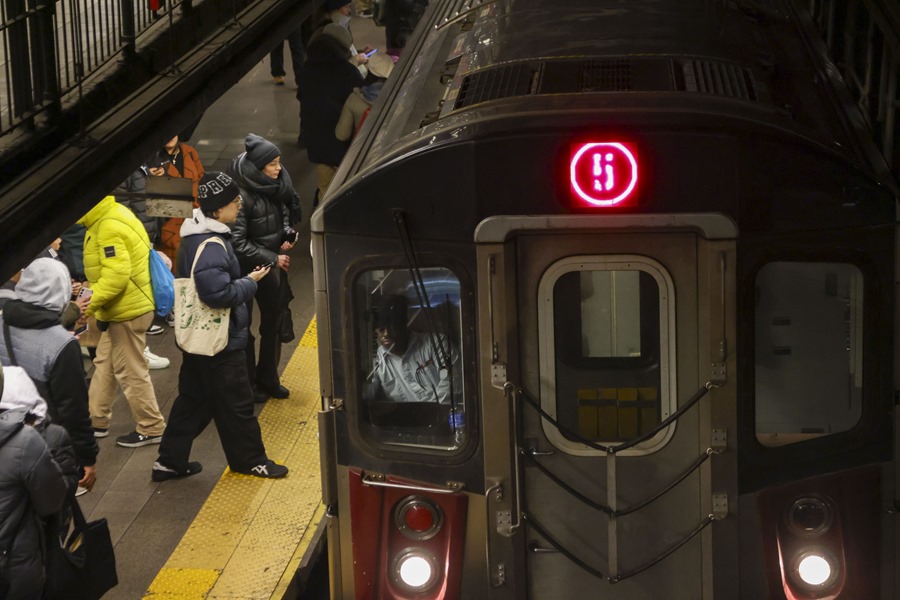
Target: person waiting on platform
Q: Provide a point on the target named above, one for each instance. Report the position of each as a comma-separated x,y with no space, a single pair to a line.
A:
263,233
117,264
216,387
410,366
360,101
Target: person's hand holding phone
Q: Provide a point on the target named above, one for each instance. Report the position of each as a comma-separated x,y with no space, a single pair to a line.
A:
84,299
260,271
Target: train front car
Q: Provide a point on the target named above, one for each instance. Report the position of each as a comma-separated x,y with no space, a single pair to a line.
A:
605,294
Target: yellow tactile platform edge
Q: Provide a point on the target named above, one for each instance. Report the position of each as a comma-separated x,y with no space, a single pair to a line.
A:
248,533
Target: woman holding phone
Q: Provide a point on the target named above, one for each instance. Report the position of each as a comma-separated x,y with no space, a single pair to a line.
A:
262,233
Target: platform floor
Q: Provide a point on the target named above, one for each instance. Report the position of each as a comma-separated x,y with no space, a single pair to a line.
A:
172,538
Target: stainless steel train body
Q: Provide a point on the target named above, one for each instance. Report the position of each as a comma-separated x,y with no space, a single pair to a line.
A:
653,256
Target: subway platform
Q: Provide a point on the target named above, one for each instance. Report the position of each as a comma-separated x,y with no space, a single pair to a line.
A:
220,534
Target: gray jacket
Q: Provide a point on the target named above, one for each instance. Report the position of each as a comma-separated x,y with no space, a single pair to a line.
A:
32,487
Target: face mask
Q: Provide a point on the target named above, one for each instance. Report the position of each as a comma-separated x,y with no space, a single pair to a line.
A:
344,21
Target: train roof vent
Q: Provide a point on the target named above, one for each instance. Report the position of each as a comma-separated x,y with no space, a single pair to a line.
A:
717,78
457,10
491,84
592,75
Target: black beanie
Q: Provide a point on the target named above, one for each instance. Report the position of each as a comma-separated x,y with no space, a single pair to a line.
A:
260,151
216,189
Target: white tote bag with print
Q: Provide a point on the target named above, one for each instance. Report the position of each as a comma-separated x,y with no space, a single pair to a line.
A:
199,328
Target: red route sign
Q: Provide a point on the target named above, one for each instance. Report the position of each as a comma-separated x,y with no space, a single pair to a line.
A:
603,173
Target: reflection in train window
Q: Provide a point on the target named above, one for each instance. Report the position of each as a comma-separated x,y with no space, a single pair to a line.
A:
610,330
409,352
808,350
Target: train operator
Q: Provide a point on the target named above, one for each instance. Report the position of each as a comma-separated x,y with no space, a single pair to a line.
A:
407,364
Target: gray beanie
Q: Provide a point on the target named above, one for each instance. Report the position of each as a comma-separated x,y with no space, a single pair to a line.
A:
216,190
45,283
260,151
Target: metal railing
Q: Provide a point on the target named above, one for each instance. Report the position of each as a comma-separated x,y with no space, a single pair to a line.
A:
51,47
863,37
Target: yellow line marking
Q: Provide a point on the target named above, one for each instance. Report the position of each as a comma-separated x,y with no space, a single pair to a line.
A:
244,541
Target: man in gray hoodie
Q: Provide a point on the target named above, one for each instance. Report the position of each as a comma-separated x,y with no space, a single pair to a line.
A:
32,336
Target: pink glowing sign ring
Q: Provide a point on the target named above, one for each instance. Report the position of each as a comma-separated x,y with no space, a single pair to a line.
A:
603,173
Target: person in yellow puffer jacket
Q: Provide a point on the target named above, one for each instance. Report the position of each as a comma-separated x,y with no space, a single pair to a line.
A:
117,263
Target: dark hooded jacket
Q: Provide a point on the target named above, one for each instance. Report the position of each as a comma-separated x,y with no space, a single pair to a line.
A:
32,487
218,276
49,354
270,207
328,79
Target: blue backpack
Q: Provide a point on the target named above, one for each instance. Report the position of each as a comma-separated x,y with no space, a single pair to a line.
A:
163,282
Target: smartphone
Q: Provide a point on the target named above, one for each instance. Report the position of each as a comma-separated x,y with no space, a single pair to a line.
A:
85,293
371,52
268,265
80,330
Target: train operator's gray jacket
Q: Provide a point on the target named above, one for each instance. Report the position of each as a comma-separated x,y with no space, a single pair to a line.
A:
48,352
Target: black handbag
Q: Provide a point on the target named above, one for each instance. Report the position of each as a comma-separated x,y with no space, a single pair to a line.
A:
84,568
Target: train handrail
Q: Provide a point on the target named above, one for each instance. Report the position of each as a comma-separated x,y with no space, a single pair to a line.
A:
614,449
452,487
605,509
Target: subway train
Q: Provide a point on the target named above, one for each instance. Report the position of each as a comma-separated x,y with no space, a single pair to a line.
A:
605,294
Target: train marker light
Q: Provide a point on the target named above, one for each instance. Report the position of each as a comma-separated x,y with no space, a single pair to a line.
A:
418,518
814,569
603,173
415,571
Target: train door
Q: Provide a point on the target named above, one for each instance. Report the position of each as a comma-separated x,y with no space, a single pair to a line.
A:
616,359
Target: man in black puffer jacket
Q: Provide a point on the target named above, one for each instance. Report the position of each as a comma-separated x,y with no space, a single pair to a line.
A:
216,387
262,234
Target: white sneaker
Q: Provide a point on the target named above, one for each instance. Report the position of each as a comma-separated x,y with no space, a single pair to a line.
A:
170,319
154,330
81,491
154,361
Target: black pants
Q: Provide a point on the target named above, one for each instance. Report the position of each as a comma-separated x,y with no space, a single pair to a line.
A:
213,388
276,57
268,295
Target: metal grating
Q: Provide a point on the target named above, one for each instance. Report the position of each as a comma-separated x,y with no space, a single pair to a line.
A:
492,84
458,9
715,78
606,75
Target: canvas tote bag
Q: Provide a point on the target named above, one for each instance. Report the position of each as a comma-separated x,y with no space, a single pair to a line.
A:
199,329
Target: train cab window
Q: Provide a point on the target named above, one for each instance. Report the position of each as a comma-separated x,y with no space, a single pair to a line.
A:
409,350
808,350
606,330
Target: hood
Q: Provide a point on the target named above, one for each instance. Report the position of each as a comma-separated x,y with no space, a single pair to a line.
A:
19,392
99,210
45,283
200,223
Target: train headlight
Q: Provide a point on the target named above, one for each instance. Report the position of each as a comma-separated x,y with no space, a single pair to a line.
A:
815,570
415,570
810,516
418,518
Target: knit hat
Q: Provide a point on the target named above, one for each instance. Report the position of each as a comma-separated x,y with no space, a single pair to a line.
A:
380,65
260,151
330,5
45,282
216,189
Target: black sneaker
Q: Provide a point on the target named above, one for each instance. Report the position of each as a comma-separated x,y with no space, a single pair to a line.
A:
100,432
279,392
268,470
164,473
136,440
154,330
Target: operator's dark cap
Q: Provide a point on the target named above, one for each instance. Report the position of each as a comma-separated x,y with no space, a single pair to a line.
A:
260,151
216,189
391,311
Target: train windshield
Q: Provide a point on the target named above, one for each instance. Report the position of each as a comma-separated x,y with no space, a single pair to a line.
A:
409,351
610,362
809,336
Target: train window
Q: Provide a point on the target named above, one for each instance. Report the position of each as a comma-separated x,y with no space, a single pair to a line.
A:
611,326
808,350
409,349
